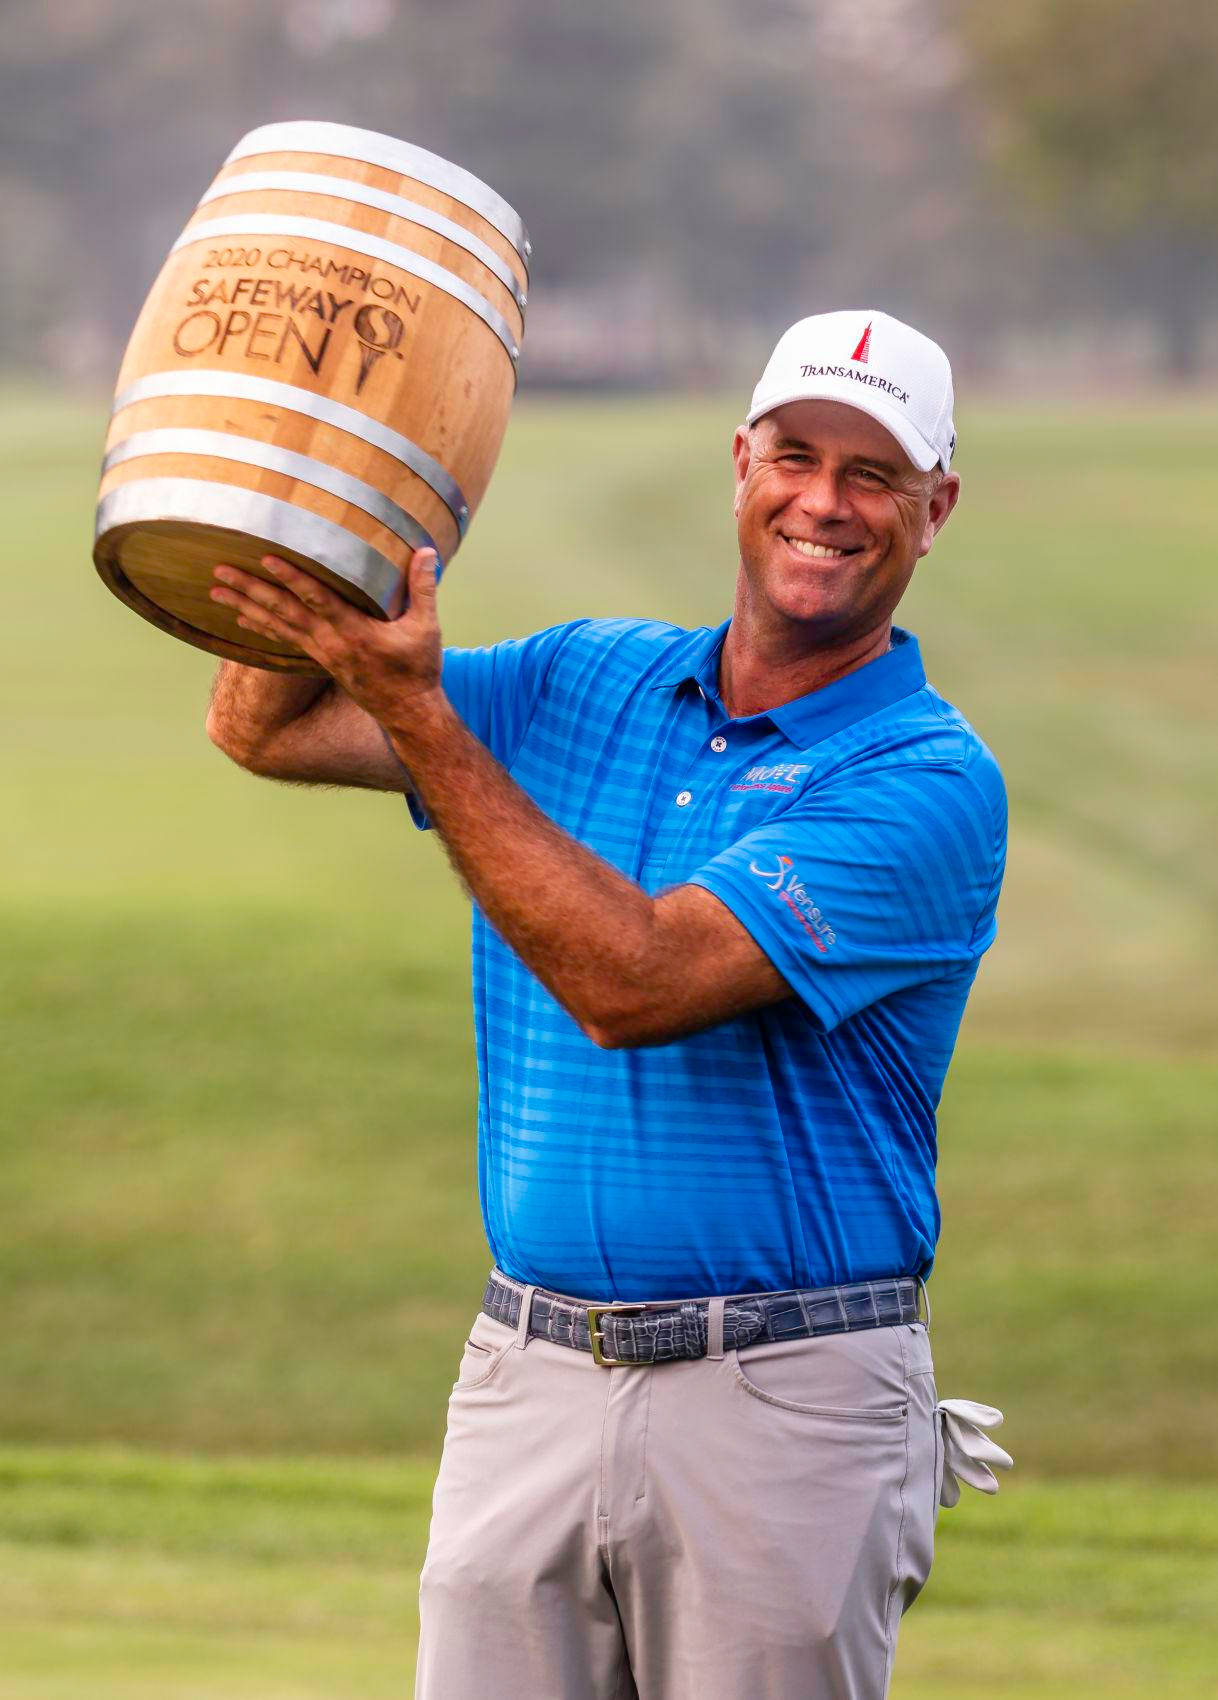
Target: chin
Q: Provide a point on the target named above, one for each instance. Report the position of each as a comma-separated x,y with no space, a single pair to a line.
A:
813,614
809,604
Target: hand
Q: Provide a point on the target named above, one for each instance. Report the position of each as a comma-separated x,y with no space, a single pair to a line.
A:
381,664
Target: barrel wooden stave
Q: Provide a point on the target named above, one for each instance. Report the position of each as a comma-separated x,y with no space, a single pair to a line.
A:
441,378
466,405
307,498
391,182
141,582
254,422
333,194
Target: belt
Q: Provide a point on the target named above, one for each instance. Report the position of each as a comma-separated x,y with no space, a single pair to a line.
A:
662,1330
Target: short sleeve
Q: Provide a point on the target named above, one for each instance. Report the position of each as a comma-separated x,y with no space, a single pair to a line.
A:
880,881
496,689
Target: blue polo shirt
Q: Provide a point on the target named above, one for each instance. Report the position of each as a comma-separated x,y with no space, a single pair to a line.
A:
858,833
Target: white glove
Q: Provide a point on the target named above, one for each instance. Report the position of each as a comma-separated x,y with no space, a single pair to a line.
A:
967,1452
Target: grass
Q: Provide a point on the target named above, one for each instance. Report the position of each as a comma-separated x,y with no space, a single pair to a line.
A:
240,1242
251,1225
191,1578
238,1166
1071,607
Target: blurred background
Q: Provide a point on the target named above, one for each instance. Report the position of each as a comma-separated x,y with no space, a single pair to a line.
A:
239,1239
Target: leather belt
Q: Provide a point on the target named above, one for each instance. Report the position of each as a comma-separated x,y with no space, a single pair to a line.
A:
663,1330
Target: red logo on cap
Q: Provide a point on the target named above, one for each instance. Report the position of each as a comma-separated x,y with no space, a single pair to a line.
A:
863,351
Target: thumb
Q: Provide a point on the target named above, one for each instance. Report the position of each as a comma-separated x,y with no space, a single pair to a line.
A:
424,571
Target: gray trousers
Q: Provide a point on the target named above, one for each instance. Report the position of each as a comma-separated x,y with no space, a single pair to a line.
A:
746,1527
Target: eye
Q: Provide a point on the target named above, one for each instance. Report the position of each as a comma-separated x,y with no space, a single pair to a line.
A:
794,458
869,475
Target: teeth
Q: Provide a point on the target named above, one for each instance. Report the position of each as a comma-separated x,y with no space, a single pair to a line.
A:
817,551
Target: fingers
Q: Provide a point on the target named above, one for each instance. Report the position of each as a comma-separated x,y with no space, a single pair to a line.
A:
250,598
267,619
315,595
424,566
299,610
296,609
292,607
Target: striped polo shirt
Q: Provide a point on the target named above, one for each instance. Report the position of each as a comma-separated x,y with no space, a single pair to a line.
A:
858,833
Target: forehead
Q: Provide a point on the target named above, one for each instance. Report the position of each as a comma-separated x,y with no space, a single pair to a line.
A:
834,426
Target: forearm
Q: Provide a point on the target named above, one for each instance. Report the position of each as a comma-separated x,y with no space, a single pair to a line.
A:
251,709
630,969
588,933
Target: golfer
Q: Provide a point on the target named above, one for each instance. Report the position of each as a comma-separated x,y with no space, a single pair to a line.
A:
730,892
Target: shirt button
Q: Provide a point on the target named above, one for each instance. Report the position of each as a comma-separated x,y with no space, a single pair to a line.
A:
719,744
684,797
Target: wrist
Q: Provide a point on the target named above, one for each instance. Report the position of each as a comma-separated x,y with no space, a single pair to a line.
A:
425,723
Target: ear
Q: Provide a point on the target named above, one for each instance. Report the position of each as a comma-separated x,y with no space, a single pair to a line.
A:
944,499
742,456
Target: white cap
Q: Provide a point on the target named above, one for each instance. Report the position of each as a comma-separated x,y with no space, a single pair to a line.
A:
873,362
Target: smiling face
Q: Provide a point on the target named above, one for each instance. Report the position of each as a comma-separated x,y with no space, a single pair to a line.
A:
832,517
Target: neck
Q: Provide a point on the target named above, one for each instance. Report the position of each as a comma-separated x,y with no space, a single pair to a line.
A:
763,669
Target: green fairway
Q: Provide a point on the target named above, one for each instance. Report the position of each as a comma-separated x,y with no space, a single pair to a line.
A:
249,1219
140,1575
1071,608
237,1167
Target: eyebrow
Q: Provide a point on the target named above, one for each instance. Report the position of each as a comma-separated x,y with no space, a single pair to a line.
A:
859,460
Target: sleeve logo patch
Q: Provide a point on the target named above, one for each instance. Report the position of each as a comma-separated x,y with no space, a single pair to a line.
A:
787,886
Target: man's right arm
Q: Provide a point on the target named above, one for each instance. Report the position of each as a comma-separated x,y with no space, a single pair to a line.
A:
302,729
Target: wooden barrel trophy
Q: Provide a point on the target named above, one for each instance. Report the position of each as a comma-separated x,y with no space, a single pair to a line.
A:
323,371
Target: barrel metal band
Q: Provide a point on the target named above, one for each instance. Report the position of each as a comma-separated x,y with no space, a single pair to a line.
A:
238,386
344,141
347,189
193,500
357,242
249,451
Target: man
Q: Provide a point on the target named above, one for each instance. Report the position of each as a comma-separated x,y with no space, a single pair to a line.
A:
731,890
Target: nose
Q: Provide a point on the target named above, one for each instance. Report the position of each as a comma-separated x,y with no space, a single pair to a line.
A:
822,496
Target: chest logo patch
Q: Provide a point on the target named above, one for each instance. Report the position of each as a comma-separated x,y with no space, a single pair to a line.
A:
783,777
780,878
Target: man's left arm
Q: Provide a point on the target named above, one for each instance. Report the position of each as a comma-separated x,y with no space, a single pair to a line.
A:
629,968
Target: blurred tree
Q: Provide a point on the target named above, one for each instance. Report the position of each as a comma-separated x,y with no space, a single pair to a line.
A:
908,222
1104,115
661,153
656,151
106,109
693,173
737,161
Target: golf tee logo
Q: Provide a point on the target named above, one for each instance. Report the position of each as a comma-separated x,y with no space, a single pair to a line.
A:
773,877
791,890
863,352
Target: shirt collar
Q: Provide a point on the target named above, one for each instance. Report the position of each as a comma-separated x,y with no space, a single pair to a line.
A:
696,662
808,719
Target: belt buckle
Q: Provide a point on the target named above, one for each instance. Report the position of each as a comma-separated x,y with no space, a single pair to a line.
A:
595,1312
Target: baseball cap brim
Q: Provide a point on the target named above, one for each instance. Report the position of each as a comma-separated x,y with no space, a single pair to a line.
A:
920,452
